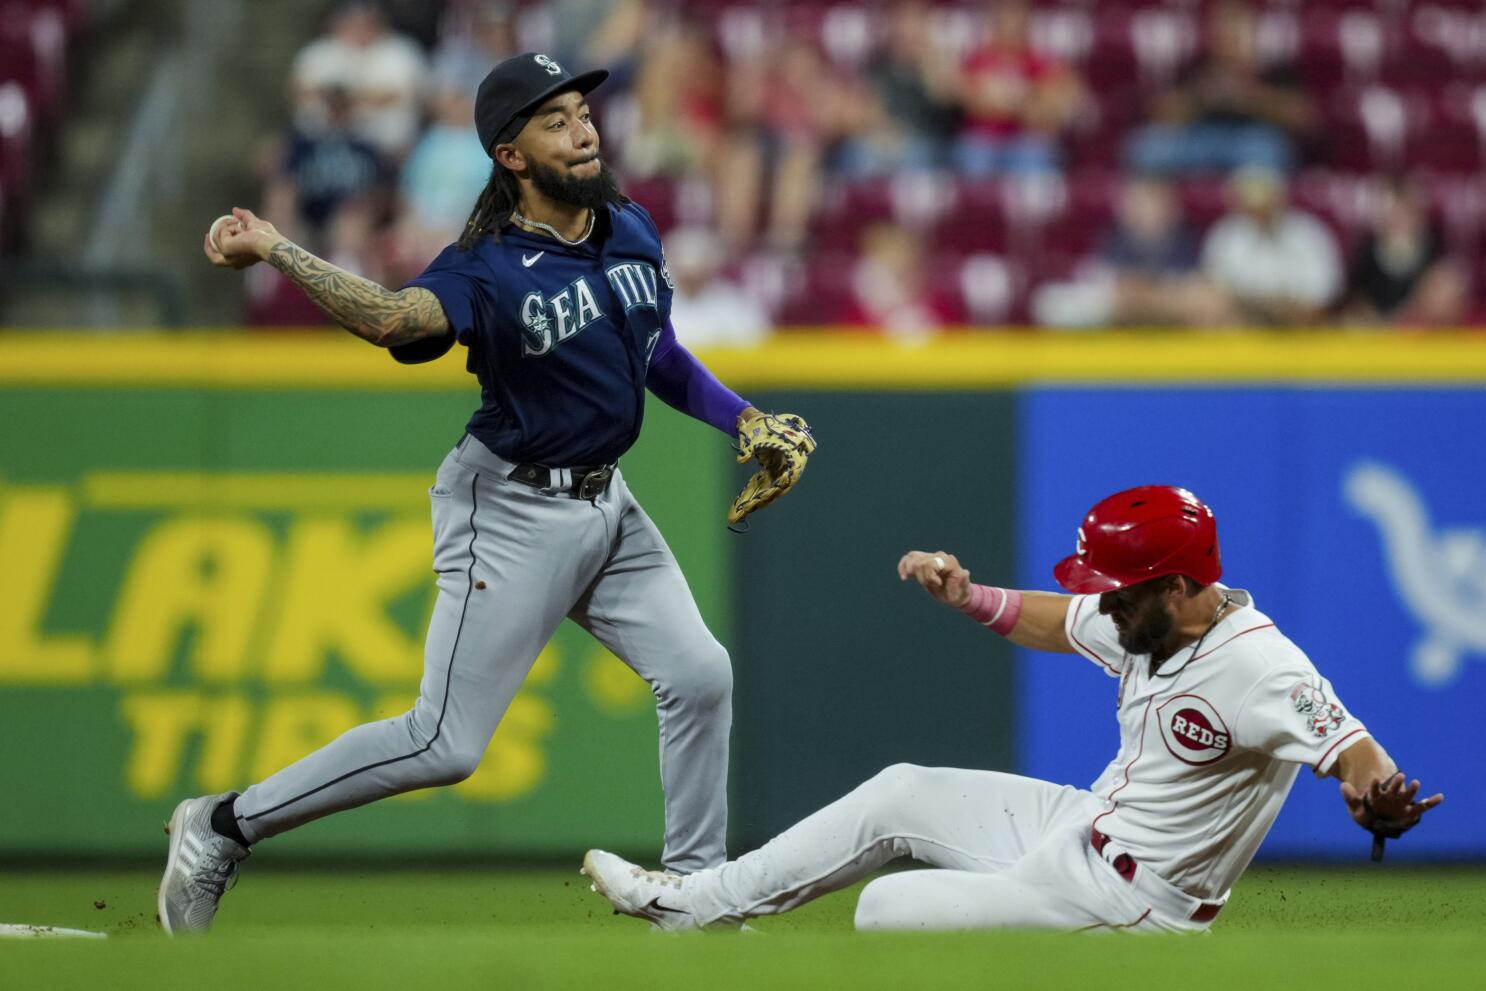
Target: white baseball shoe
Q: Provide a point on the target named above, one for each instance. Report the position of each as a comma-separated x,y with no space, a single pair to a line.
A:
198,867
655,896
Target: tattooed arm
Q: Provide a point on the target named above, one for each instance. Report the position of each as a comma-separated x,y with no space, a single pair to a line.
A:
371,312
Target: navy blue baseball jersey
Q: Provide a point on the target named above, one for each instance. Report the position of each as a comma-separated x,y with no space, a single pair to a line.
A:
559,336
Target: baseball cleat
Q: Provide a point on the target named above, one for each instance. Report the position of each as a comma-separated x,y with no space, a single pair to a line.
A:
198,868
655,896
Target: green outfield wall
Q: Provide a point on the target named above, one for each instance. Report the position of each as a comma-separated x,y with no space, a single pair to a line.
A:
841,668
199,586
215,556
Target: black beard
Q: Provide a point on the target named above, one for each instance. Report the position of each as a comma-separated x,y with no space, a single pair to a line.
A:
586,194
1149,631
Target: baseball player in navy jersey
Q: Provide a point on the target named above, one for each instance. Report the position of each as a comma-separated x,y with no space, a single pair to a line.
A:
559,291
1217,712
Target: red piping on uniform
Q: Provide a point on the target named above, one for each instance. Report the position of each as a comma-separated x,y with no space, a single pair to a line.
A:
1235,636
1337,744
1111,668
1138,755
1122,925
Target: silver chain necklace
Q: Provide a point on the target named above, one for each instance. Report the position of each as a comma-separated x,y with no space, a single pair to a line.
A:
523,221
1217,615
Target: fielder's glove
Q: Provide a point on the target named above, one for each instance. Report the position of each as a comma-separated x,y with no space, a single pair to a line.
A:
782,443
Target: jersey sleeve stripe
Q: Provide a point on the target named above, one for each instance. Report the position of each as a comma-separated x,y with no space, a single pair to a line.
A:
1083,647
1321,765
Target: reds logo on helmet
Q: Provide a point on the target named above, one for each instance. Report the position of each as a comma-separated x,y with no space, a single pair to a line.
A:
1321,715
1193,731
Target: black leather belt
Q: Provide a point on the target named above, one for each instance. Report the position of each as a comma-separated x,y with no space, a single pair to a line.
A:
586,483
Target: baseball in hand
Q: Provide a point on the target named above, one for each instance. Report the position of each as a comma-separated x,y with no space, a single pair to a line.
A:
216,228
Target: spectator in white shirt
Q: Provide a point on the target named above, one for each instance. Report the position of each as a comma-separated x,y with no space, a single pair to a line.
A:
384,72
1279,265
707,309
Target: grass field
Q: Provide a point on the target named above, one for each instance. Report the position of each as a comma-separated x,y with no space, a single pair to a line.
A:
519,928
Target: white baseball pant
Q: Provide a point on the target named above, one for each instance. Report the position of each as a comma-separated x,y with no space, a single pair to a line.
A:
1010,852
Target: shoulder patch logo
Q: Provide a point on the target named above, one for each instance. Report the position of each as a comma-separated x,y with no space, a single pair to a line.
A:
1193,731
1321,715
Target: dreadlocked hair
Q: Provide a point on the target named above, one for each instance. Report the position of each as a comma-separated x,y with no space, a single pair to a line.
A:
494,207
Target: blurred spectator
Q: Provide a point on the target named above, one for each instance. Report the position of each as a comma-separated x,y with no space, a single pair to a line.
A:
905,114
785,108
418,20
607,33
1153,254
890,286
1400,274
678,128
1227,110
327,182
383,72
707,309
1147,274
443,177
1016,101
1279,265
324,187
474,40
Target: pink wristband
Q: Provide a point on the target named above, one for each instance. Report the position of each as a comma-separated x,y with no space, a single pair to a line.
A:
997,608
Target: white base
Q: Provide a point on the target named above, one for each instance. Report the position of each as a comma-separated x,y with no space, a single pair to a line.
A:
20,931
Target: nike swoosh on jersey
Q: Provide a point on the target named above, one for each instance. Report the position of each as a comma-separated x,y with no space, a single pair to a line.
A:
530,261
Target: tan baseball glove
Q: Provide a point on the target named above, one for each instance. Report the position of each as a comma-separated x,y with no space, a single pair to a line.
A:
781,443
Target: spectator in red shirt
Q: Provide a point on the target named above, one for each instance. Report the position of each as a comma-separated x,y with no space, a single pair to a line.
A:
1015,101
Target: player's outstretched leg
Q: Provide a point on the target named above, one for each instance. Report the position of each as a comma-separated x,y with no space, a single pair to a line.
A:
975,821
198,866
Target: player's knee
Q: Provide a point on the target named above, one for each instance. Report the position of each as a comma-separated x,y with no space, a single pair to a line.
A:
882,905
704,681
452,764
892,790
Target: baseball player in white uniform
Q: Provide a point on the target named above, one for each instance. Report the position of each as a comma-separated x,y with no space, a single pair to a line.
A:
1218,710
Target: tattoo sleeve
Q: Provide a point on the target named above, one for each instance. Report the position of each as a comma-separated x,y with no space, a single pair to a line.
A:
369,311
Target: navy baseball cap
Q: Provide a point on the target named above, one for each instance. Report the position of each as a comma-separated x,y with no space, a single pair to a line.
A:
516,88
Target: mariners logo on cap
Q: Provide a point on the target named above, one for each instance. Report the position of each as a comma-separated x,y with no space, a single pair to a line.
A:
1193,731
553,69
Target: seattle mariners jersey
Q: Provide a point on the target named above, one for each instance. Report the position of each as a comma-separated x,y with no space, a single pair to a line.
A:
1210,743
559,336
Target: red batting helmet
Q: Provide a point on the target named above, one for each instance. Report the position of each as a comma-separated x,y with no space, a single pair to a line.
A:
1143,533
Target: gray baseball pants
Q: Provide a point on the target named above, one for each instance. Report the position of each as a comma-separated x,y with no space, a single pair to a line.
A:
512,561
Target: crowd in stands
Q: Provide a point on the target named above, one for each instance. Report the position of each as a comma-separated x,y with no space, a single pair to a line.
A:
909,166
